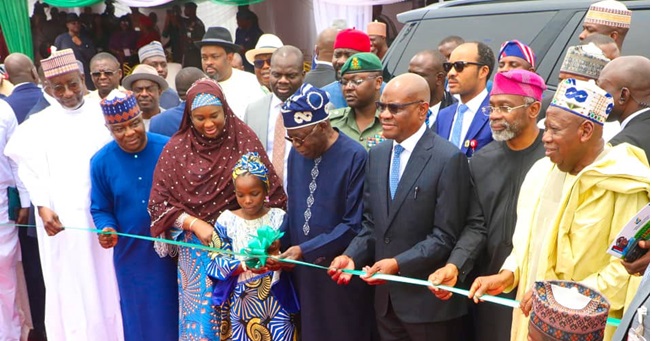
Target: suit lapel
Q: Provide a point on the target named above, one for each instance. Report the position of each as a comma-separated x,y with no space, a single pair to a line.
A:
384,161
264,118
445,123
417,162
479,120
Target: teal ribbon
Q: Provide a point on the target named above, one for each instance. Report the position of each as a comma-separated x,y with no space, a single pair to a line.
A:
266,237
256,250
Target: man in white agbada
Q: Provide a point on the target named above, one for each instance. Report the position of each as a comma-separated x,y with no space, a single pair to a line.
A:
10,319
53,150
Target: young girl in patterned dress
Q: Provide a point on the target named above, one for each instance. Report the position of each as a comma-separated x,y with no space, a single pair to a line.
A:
258,303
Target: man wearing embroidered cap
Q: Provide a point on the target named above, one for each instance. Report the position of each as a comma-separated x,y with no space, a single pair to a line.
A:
153,55
121,181
261,58
347,43
377,32
608,17
576,199
240,88
515,55
566,310
582,62
147,86
497,172
82,300
325,181
361,81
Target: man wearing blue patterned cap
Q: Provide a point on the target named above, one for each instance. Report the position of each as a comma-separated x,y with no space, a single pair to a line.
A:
515,55
326,171
121,180
576,201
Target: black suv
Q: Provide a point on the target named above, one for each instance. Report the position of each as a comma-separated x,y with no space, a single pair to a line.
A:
548,27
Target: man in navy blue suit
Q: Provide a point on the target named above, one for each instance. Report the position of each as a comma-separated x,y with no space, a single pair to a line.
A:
469,68
26,93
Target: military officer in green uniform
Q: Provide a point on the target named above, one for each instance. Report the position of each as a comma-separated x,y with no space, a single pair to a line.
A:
361,83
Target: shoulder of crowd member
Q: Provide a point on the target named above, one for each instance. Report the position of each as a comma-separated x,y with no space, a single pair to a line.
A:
338,114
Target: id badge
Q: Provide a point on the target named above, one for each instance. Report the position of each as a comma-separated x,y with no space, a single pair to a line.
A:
632,335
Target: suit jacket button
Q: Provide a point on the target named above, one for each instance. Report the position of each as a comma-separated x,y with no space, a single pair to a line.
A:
387,240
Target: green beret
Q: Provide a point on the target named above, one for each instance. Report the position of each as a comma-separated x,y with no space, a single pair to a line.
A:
362,62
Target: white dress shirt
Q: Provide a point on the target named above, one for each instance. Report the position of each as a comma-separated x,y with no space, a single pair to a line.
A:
408,145
275,110
473,109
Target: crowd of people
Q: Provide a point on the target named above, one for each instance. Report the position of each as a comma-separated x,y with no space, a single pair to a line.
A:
450,172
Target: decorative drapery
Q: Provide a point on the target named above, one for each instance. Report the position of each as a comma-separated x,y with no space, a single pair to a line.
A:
16,28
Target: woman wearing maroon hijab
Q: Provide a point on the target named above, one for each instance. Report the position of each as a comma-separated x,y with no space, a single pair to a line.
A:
192,187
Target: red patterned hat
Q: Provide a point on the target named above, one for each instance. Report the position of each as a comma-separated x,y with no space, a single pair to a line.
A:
353,39
565,310
59,63
119,107
610,13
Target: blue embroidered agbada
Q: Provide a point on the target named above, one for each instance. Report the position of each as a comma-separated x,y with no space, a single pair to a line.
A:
328,311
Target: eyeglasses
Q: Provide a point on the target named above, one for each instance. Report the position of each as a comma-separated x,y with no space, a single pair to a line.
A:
300,141
259,63
354,82
459,65
394,108
97,74
60,89
503,109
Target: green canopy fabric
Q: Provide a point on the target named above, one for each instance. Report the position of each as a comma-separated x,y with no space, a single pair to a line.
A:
72,3
16,26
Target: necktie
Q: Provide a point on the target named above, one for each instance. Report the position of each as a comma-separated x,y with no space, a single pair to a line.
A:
456,133
394,173
278,153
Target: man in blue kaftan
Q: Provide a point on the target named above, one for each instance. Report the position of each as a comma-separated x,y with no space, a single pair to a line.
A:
121,179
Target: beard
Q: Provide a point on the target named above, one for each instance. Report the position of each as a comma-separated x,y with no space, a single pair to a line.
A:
509,132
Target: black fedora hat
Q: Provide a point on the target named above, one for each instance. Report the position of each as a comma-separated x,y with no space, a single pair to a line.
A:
219,36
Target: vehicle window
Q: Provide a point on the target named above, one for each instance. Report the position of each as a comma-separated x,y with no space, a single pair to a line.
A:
637,41
493,30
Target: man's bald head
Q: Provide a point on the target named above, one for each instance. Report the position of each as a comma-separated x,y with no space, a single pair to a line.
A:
411,86
627,79
185,78
429,64
404,106
20,69
325,42
289,51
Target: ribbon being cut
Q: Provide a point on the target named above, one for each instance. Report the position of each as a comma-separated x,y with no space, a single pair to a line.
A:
256,255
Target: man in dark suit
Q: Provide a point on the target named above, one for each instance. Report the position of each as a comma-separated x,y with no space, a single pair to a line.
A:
429,64
323,73
26,93
627,80
264,115
464,124
415,194
23,98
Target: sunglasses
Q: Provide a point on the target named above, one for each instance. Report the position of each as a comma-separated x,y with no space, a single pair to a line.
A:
459,66
394,108
97,74
259,63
